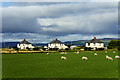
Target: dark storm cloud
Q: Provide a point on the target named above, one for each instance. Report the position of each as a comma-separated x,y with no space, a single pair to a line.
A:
61,18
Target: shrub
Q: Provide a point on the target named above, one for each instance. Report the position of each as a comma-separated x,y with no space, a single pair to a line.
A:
101,49
61,50
53,49
36,48
87,49
16,49
67,49
114,44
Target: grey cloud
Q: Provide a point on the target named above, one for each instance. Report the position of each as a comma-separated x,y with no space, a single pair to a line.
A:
27,18
38,38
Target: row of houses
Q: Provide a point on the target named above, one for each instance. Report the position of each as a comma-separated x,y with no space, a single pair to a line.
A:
94,43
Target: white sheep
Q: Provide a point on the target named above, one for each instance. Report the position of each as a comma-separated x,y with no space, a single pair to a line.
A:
48,53
77,52
65,52
63,58
117,57
113,51
84,58
109,58
62,53
95,54
105,51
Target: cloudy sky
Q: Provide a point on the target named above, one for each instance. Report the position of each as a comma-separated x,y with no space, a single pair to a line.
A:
68,21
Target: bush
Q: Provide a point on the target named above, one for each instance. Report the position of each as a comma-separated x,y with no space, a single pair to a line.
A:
36,48
53,49
96,49
101,49
16,49
87,49
67,49
61,50
114,44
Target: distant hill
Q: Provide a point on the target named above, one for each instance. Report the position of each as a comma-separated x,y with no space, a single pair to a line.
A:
82,42
14,44
8,44
79,42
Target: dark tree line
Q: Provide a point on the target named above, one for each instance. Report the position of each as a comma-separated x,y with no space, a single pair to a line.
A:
114,44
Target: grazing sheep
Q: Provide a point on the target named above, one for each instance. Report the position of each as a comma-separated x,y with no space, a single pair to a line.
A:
113,51
84,58
105,51
117,57
109,58
15,51
95,54
77,52
62,53
63,58
47,53
65,53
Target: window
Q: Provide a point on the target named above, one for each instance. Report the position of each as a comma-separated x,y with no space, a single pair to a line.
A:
94,44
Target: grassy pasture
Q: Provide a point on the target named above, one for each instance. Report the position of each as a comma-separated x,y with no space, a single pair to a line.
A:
40,65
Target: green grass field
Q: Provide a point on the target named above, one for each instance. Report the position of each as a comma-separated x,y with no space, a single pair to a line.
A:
40,65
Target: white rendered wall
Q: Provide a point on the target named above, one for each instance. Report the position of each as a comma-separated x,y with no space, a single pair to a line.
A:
97,45
24,46
60,46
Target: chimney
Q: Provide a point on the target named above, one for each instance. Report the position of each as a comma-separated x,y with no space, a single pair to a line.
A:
24,40
94,37
55,39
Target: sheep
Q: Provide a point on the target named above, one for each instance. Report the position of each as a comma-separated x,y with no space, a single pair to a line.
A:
117,57
65,53
15,51
47,53
109,58
105,51
62,53
77,52
84,58
95,54
113,51
63,58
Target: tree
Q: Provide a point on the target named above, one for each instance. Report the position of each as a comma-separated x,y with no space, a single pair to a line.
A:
16,49
114,44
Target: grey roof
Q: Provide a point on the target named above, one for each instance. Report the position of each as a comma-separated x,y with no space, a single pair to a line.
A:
94,41
24,42
56,41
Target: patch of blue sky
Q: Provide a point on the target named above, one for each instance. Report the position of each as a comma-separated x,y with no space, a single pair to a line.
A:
7,4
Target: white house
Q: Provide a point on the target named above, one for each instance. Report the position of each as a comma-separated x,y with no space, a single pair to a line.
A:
95,43
57,44
24,45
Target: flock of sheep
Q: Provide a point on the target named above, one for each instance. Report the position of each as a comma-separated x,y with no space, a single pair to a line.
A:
86,58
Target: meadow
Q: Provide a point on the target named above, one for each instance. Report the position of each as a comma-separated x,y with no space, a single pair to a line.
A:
40,65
